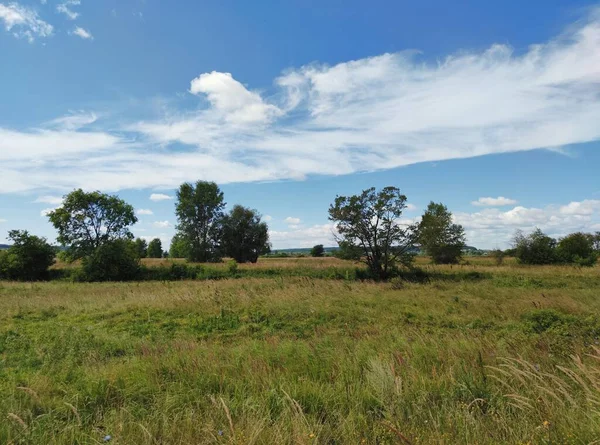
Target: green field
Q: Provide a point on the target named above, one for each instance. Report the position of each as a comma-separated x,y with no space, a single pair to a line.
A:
480,354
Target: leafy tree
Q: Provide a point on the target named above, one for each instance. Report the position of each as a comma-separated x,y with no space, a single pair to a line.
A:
28,259
180,247
114,260
577,248
439,236
245,237
536,248
596,241
142,247
199,210
370,221
155,249
85,221
317,251
498,256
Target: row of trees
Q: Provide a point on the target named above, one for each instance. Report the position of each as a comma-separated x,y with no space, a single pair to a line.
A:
538,248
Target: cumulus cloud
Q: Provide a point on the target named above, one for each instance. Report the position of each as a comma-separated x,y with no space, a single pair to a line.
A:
145,212
292,220
23,22
66,8
84,34
162,224
492,227
374,113
159,197
494,202
303,237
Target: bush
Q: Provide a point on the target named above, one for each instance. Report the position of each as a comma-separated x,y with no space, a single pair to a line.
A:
28,259
577,248
317,251
536,248
116,260
498,256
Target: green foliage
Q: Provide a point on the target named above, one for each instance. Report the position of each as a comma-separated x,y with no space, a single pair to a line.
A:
347,251
155,248
232,267
577,248
244,236
85,221
115,260
536,248
142,247
369,222
28,259
317,251
180,247
498,256
439,236
199,211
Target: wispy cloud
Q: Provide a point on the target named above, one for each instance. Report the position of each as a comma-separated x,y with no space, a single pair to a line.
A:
56,200
73,121
66,8
292,220
368,114
267,218
494,202
159,197
80,32
144,212
162,224
23,22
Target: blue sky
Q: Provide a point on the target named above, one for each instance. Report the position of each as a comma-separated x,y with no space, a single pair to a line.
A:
489,107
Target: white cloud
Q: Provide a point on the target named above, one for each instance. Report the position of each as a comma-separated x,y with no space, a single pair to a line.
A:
145,212
492,227
494,202
23,22
267,218
159,197
291,220
410,207
304,237
2,220
162,224
65,8
45,212
373,113
73,121
56,200
84,34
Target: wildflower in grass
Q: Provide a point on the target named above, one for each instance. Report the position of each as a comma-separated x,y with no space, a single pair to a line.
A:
220,433
546,424
107,438
311,436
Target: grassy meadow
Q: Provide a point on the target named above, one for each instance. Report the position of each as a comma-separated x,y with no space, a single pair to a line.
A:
481,354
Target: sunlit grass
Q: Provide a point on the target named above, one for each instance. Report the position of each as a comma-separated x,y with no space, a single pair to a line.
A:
502,355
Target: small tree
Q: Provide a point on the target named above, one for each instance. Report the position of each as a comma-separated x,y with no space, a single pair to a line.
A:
28,259
85,221
180,247
199,211
142,247
245,237
439,237
536,248
577,248
155,248
346,251
370,221
317,251
498,256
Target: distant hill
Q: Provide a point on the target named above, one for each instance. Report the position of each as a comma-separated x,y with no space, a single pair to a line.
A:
4,246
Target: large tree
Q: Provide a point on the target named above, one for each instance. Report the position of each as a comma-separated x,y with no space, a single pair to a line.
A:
180,247
86,220
142,247
245,237
370,222
155,249
199,211
439,237
535,248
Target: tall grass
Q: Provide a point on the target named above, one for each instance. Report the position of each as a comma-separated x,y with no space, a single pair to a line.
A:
506,356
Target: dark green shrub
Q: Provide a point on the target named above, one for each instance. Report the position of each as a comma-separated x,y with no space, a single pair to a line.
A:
577,248
115,260
28,259
536,248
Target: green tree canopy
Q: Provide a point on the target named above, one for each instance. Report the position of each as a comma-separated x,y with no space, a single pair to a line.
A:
245,237
536,248
87,220
142,247
155,249
180,247
577,248
199,211
370,222
317,251
28,259
439,236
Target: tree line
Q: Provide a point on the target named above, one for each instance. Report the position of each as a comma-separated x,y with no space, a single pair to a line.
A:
94,228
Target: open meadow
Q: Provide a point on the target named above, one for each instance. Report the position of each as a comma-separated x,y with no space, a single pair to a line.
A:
479,354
